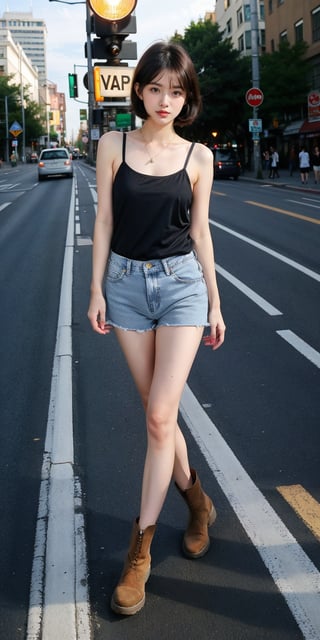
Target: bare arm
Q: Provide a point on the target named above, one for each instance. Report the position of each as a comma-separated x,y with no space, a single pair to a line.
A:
107,152
202,241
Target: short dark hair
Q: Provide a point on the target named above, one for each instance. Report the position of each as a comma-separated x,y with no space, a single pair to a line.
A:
160,57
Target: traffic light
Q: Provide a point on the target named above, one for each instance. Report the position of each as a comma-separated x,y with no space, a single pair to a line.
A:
112,22
73,85
113,11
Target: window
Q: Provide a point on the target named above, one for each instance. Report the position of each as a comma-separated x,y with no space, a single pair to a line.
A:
270,6
315,20
241,43
272,46
247,36
298,31
227,4
315,75
284,36
239,17
262,39
229,27
247,13
261,9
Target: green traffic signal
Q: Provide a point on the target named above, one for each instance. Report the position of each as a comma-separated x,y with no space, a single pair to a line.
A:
73,85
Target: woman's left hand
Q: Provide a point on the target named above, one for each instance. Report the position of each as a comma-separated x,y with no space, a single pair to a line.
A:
217,330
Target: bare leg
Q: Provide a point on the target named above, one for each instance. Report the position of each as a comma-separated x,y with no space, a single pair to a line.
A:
160,365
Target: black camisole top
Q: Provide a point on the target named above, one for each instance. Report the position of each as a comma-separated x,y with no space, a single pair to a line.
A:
151,214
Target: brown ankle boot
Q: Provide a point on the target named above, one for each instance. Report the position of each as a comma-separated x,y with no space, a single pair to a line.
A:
129,595
196,541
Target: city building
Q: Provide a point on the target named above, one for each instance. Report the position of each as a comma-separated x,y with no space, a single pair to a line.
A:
295,21
31,34
234,20
14,61
57,115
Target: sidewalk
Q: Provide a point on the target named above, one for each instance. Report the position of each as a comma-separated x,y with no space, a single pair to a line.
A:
284,181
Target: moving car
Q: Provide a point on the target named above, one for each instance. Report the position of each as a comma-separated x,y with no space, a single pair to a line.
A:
55,162
226,163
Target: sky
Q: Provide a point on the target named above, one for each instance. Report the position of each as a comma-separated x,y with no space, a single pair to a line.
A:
66,37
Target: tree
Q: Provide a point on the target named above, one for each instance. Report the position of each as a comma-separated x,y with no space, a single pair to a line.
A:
285,81
224,78
33,114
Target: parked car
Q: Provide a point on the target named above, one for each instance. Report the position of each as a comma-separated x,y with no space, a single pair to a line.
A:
226,163
55,162
32,157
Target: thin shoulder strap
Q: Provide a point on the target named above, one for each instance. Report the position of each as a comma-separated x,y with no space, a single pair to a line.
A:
188,155
124,140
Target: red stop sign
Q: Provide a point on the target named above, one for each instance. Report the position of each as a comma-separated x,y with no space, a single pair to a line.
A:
254,97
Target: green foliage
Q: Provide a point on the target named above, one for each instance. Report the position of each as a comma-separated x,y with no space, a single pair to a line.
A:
224,78
285,81
34,115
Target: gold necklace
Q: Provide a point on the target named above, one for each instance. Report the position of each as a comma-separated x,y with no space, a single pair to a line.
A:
153,157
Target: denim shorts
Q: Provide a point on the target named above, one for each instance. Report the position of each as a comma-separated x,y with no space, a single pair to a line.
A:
143,295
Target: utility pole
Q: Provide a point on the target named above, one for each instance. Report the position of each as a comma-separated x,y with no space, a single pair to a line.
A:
255,80
90,84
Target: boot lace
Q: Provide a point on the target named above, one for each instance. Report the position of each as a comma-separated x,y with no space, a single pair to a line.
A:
137,549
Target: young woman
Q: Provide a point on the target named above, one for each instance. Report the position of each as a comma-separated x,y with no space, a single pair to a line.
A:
152,232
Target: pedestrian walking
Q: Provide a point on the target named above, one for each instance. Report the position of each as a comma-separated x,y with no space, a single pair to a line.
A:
304,164
152,232
266,160
274,163
315,160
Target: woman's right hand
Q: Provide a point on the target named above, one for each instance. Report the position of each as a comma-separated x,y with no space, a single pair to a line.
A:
97,314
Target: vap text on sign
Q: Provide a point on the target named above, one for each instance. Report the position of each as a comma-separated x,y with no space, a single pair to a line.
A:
112,82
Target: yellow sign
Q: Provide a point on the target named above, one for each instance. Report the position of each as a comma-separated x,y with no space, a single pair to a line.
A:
15,129
16,132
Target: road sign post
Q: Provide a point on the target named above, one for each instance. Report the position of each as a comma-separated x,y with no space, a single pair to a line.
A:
254,98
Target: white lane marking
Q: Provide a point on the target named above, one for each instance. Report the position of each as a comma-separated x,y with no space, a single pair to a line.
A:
271,252
9,185
261,302
305,204
78,229
300,345
295,575
59,564
4,205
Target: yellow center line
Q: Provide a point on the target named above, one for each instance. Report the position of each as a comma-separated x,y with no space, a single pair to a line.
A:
304,505
284,211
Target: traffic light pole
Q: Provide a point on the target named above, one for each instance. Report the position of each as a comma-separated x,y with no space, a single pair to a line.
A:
90,84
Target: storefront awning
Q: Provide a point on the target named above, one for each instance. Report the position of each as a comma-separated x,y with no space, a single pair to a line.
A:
310,127
293,128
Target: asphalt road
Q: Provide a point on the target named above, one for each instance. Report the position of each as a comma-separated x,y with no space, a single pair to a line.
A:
32,234
250,415
258,390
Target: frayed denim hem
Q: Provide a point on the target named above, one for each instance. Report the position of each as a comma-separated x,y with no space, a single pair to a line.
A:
157,326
